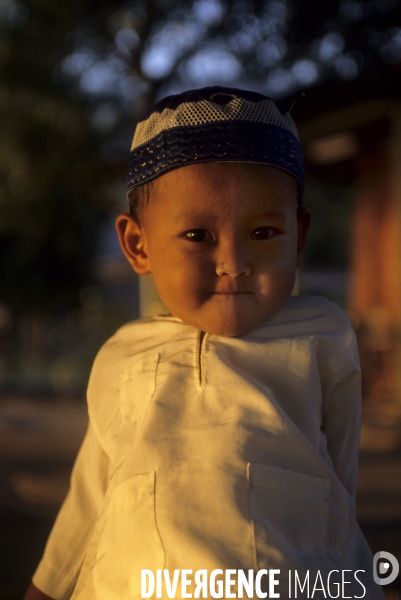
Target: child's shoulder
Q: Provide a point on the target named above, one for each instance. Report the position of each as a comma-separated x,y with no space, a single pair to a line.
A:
314,324
136,338
136,341
310,316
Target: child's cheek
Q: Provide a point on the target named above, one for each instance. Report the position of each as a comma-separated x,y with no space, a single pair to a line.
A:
277,282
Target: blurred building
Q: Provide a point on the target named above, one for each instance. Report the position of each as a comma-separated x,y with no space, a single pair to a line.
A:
355,145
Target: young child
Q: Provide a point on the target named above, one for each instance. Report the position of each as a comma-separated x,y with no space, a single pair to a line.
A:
225,434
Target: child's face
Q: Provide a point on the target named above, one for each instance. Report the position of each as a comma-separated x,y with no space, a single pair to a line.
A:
222,241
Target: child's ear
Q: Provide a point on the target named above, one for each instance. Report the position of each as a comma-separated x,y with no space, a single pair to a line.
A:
133,243
304,221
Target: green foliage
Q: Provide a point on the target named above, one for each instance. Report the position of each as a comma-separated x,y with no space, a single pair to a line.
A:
48,164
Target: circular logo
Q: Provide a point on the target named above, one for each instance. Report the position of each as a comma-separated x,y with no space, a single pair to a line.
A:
385,571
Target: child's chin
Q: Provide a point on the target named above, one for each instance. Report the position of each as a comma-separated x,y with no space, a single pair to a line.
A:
230,329
235,324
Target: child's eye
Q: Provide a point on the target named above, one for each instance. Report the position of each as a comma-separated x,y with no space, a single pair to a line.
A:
263,233
199,235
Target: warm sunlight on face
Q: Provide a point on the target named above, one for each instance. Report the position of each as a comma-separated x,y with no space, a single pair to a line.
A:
222,242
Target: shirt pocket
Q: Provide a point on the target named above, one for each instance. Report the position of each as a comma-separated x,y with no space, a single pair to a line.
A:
130,540
290,513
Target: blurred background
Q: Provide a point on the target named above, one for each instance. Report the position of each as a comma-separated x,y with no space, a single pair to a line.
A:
75,76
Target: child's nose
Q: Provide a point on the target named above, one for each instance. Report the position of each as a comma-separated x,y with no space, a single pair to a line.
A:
233,261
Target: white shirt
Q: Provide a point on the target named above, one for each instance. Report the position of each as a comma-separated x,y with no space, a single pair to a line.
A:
209,452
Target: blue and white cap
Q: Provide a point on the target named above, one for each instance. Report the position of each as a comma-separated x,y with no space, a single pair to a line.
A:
214,124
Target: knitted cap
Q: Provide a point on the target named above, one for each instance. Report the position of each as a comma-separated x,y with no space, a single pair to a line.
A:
214,124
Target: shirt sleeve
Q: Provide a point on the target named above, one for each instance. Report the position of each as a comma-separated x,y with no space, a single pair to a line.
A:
65,550
341,424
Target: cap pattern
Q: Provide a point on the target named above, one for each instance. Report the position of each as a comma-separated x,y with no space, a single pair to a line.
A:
214,124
